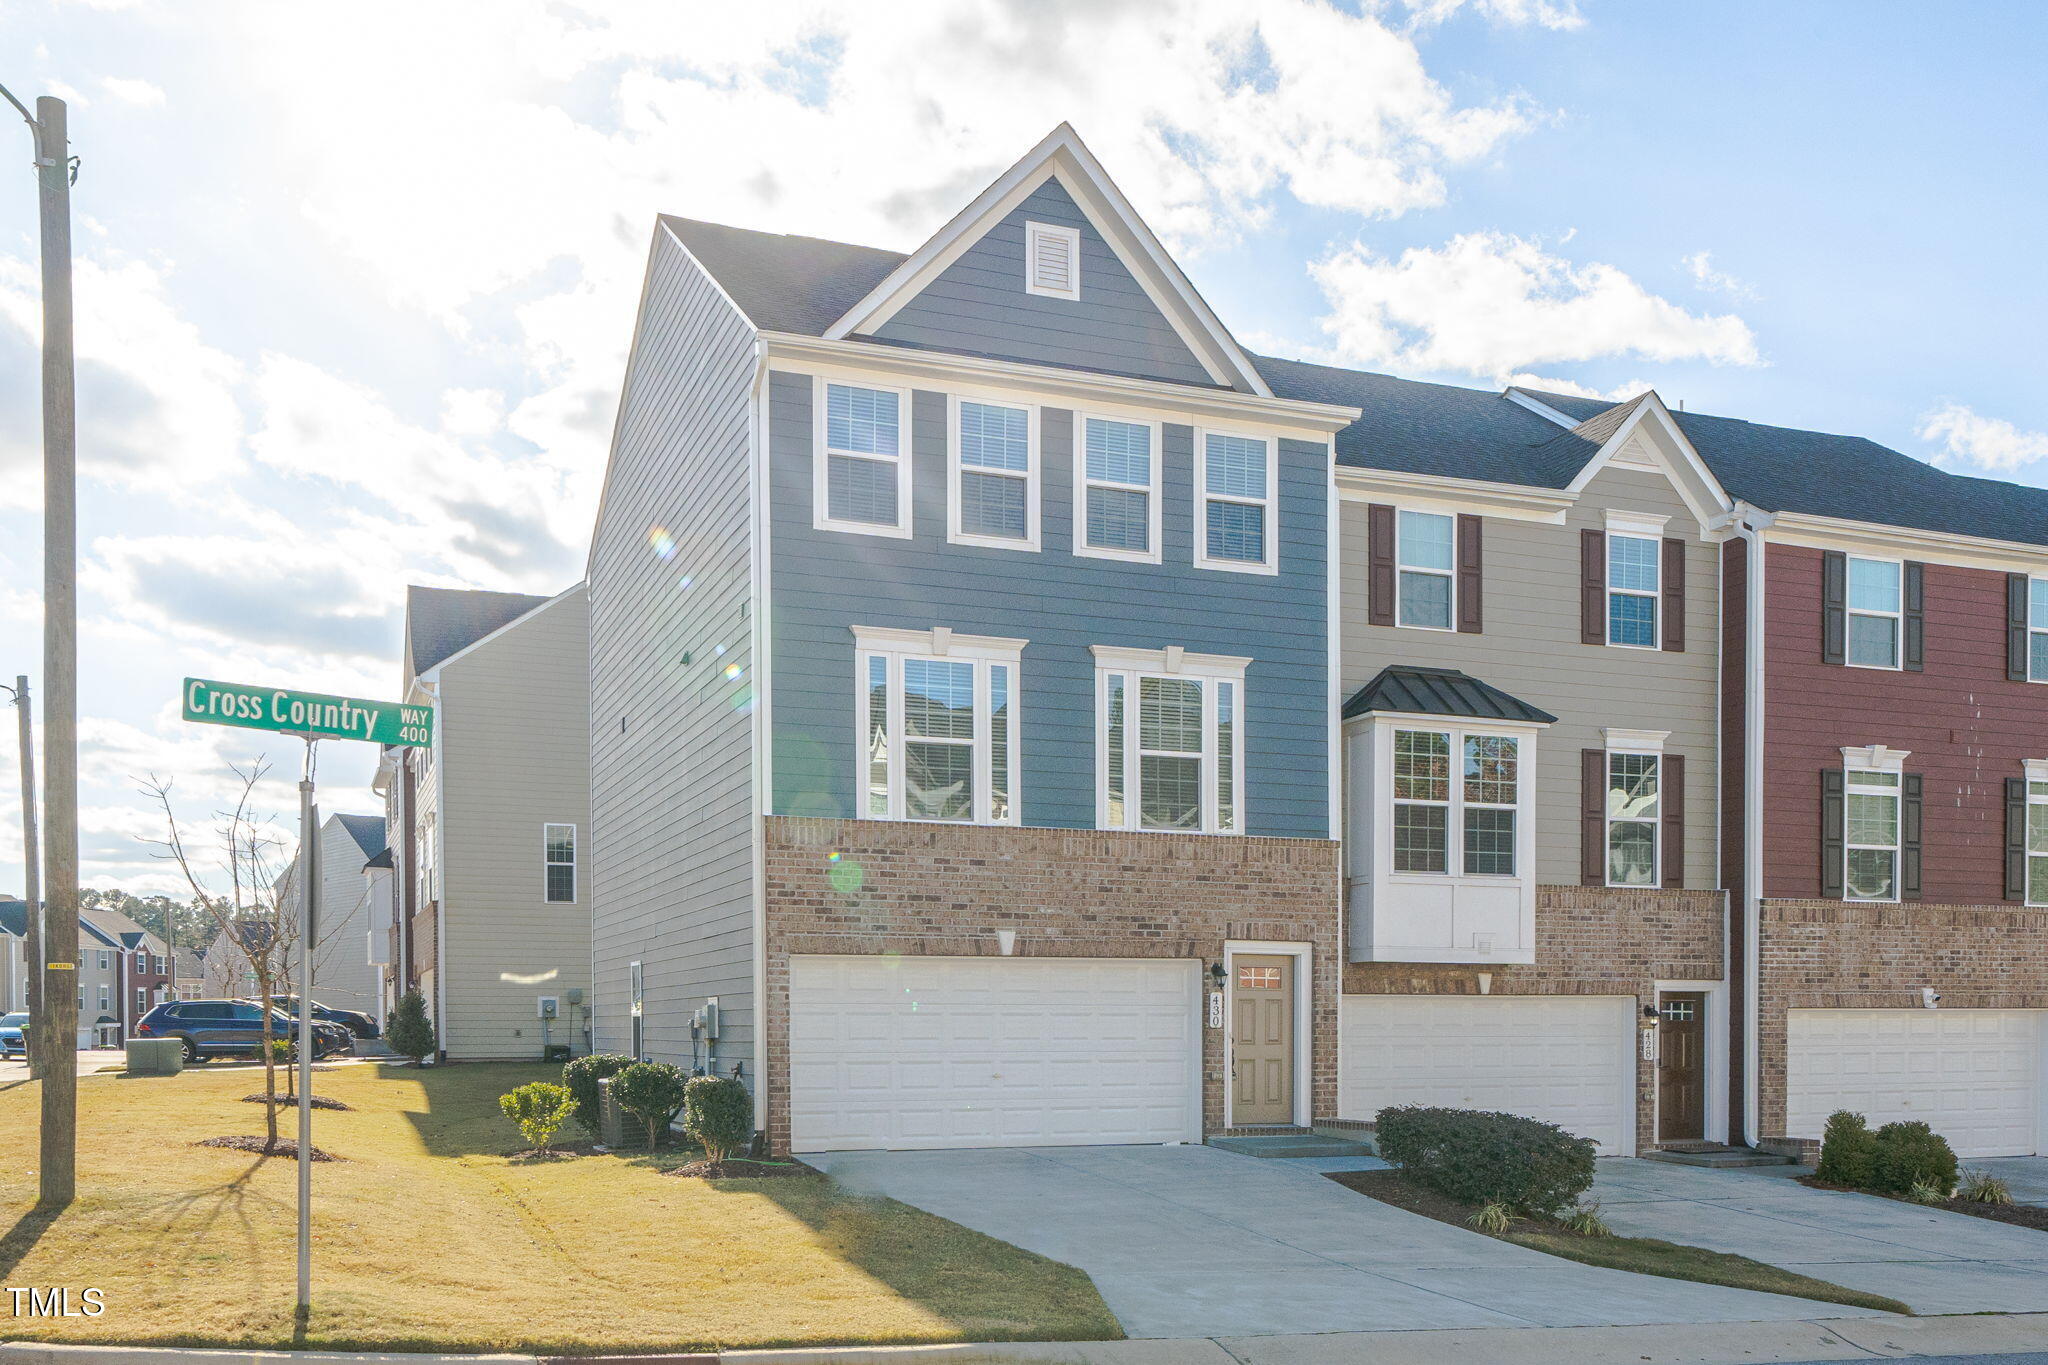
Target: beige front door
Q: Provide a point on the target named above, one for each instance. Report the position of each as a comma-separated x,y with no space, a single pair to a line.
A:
1262,1040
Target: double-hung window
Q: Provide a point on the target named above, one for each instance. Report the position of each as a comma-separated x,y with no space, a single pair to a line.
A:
2037,629
1425,549
1634,812
1170,735
1236,520
1117,490
558,862
1871,835
1456,802
861,479
993,475
937,715
1633,585
1875,612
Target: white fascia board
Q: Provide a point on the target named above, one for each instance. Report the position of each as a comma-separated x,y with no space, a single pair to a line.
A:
1933,547
1434,492
1697,487
791,353
1061,154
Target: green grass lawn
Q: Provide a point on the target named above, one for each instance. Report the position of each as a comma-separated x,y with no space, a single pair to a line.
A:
429,1237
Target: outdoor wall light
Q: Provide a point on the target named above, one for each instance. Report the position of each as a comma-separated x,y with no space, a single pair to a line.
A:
1218,975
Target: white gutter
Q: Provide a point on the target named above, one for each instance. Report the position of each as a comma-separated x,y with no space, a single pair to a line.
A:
1750,524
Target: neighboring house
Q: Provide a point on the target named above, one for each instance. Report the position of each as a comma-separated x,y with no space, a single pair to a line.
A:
380,898
189,980
344,975
962,694
143,966
228,973
488,825
124,971
13,956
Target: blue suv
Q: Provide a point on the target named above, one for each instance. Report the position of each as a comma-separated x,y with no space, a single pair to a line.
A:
232,1028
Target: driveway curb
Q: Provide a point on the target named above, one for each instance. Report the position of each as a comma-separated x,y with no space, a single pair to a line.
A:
1871,1338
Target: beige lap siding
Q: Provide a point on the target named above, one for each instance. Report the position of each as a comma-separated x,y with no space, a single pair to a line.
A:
944,890
1590,940
1826,954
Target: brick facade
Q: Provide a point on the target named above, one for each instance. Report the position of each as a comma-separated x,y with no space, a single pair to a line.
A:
1590,940
943,890
1827,954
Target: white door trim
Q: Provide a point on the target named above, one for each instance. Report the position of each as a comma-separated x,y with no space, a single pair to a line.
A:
1304,982
1714,1128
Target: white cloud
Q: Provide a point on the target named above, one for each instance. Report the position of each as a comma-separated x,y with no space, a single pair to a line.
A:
1577,390
1488,304
1700,265
1554,14
1988,443
133,90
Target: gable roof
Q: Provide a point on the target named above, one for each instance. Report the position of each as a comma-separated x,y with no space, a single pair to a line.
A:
120,926
366,830
783,283
442,621
381,858
94,931
14,918
1410,689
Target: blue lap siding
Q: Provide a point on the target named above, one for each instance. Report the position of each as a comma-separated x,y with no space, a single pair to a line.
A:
825,582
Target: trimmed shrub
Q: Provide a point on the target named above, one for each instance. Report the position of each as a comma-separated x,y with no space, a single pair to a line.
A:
1909,1154
718,1115
582,1076
651,1092
540,1109
1477,1157
1848,1151
409,1032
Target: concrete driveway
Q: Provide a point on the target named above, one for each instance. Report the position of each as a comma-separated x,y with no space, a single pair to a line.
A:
1932,1260
1197,1242
2025,1176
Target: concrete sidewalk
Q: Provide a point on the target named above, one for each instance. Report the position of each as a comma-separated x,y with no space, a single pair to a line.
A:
1759,1343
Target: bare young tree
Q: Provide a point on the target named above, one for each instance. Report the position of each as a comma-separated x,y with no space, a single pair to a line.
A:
245,902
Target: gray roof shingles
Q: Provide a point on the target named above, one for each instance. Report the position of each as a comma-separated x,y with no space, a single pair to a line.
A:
804,284
366,830
444,621
1411,689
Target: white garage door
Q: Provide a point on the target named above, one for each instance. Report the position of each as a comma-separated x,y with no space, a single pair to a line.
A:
991,1052
1563,1059
1973,1075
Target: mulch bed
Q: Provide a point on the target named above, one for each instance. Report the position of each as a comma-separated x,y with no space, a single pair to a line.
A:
1391,1187
319,1101
2019,1215
286,1147
741,1168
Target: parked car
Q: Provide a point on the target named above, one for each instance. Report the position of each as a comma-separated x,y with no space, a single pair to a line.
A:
12,1043
232,1028
355,1021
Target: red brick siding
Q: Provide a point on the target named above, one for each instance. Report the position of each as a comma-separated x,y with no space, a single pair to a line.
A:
1827,954
1968,728
1590,940
943,890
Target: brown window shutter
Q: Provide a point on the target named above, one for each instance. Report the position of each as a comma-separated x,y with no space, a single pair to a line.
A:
1671,795
1379,561
2016,627
2015,838
1673,578
1914,654
1832,846
1834,611
1593,815
1909,836
1593,590
1471,617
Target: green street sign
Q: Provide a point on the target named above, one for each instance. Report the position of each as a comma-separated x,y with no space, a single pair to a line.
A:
312,714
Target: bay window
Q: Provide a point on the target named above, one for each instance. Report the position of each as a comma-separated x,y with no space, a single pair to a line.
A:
1169,735
937,719
1475,814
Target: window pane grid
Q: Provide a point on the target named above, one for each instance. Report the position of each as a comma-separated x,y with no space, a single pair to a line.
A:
994,505
1489,842
1237,531
1119,519
994,437
1236,467
1875,600
864,421
1422,765
930,754
861,490
1171,746
1119,452
1419,837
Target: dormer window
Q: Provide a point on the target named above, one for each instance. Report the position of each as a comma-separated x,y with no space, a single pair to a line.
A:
1052,261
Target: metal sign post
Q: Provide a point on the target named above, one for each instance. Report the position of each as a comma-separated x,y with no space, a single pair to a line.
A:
310,716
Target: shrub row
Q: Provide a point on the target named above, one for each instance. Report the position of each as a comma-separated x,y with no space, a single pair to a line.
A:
1478,1157
1891,1160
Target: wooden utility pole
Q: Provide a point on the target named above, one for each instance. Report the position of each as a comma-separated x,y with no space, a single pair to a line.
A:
59,1026
31,875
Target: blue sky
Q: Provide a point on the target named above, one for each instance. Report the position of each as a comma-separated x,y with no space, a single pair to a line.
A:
353,310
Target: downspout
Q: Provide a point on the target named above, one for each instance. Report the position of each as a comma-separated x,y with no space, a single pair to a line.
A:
761,775
1751,524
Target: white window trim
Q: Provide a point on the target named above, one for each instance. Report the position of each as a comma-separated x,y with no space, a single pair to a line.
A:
1271,503
1656,822
1450,574
1454,830
1632,527
1875,758
575,889
893,646
1082,483
821,461
2036,770
1897,618
2032,630
1030,476
1170,662
1623,523
1032,231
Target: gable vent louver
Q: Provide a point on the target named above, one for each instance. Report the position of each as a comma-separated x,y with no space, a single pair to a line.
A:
1052,261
